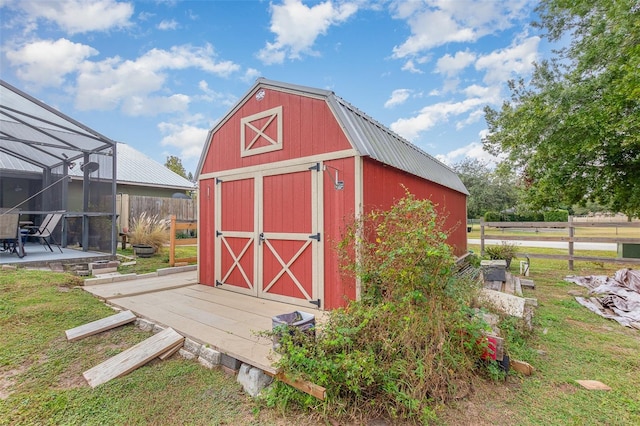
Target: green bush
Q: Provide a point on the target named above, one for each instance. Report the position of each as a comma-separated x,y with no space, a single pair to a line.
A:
410,343
492,217
506,251
556,216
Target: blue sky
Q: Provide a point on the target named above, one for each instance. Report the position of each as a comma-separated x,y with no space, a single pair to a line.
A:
157,75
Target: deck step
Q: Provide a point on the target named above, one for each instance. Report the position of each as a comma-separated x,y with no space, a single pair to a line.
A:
134,357
100,325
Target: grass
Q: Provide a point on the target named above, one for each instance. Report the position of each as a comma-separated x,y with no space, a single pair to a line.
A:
41,373
155,262
608,232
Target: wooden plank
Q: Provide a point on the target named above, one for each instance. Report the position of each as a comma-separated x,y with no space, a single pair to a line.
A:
171,351
100,325
593,385
132,358
304,386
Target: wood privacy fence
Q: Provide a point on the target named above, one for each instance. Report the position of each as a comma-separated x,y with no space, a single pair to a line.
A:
130,206
173,242
569,237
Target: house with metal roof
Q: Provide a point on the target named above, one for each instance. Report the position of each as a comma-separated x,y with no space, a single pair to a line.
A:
50,162
282,174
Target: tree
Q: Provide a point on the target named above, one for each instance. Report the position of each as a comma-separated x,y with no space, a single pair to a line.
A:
174,164
573,132
488,190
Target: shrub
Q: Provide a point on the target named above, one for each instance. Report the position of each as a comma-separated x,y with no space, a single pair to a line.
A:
149,230
504,250
410,342
556,216
492,217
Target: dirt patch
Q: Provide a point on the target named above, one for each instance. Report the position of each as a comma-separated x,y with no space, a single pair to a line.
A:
566,388
7,380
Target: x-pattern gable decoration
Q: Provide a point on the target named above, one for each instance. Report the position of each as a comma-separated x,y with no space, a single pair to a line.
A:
261,132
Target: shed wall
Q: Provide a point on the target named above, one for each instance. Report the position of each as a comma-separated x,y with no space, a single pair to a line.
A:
383,186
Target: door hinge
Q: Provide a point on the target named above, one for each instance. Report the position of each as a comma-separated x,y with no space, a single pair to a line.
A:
218,233
315,236
316,167
316,302
218,180
218,283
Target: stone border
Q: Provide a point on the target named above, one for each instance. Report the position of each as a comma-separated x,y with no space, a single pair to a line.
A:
116,277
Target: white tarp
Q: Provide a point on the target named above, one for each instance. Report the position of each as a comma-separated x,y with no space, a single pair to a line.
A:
616,297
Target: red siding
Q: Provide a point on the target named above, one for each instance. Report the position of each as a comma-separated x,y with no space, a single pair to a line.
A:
339,210
309,128
383,185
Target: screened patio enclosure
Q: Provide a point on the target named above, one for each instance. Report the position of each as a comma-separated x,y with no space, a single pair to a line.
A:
50,163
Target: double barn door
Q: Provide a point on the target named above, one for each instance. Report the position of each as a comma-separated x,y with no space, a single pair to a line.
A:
268,236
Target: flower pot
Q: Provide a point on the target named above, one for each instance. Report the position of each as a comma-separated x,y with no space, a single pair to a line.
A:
141,250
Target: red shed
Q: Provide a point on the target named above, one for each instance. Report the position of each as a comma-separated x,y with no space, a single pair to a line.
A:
280,176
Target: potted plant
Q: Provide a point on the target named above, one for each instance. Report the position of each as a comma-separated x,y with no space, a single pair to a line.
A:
148,234
505,250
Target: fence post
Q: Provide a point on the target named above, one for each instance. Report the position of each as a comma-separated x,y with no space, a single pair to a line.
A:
571,235
172,241
481,237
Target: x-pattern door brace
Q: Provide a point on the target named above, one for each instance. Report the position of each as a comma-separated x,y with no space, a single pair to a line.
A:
236,261
286,267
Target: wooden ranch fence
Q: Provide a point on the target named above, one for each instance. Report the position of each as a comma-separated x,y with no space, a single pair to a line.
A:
570,238
173,242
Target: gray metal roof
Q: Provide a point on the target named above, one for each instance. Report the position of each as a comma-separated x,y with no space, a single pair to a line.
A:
368,137
42,136
135,168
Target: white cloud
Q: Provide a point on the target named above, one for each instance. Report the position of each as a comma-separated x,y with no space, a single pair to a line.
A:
47,62
473,151
188,138
452,65
517,59
297,27
398,97
411,67
133,83
438,22
81,16
165,25
431,115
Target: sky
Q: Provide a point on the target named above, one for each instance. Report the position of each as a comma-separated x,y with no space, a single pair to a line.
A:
158,75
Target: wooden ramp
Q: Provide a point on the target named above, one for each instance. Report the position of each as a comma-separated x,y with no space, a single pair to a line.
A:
100,325
133,357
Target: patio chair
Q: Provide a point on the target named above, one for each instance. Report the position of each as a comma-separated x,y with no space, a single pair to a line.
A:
10,234
45,230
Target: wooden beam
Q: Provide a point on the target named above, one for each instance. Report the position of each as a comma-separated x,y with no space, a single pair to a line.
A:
302,385
100,325
134,357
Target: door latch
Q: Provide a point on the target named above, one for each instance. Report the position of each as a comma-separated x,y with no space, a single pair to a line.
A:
261,238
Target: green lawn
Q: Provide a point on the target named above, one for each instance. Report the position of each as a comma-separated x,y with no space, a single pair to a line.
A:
41,373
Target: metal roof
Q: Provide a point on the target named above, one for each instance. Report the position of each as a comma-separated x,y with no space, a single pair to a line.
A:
42,136
367,136
135,168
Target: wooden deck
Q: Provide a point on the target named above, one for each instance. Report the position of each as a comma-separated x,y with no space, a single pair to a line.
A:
226,321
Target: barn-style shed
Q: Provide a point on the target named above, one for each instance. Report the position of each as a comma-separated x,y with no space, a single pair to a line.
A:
280,176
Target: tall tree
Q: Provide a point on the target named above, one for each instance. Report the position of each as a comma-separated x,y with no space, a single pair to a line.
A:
488,191
573,132
174,164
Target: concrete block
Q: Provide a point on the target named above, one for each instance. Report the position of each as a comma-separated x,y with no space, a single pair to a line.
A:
230,362
505,303
9,267
186,354
210,355
157,328
206,363
144,325
192,346
253,380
